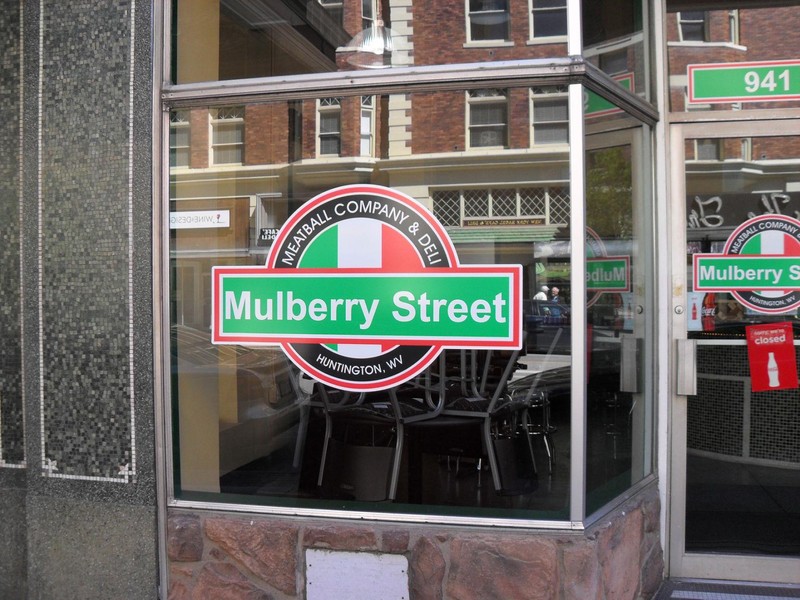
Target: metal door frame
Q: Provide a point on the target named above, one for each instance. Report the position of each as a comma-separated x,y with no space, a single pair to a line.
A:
698,565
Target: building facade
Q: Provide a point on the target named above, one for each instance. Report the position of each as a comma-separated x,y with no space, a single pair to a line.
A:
394,298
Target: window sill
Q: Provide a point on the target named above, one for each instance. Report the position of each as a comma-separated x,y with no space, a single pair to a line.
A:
489,44
485,149
556,39
707,45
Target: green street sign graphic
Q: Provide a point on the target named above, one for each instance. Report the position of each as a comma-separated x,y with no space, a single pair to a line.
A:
744,82
724,272
608,274
594,105
473,306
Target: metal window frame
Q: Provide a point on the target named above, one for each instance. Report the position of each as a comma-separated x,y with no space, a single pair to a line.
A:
571,70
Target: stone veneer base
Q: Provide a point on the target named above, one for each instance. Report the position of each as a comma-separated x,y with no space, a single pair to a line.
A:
231,556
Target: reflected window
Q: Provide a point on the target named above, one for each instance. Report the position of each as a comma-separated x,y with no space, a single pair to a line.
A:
488,20
227,135
334,9
550,115
693,26
708,150
733,23
545,205
548,18
614,63
367,125
330,126
746,145
179,134
488,118
368,13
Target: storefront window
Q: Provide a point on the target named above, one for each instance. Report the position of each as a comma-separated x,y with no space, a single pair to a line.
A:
251,426
276,403
619,403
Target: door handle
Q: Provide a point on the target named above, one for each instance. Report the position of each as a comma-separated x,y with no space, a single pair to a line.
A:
686,371
629,371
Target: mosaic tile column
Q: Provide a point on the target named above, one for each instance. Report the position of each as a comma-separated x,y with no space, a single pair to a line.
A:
12,447
85,239
76,313
12,442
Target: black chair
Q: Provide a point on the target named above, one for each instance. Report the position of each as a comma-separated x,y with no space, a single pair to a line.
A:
371,433
307,397
534,397
480,391
533,393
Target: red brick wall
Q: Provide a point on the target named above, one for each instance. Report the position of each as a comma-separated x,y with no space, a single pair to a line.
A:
440,115
199,138
435,21
351,127
266,134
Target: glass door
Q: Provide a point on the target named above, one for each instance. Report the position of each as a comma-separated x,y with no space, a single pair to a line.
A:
735,463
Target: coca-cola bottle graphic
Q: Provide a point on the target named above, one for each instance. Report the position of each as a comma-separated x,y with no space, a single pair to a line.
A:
708,313
772,371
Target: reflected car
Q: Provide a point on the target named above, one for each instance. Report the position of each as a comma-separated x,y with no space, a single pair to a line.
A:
252,390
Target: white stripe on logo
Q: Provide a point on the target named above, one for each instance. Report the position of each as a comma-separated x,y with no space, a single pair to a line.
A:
360,244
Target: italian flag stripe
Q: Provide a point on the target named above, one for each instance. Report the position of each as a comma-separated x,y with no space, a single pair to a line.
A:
345,245
354,236
769,242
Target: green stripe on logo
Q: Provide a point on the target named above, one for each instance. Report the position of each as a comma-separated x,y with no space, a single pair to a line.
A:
361,307
724,272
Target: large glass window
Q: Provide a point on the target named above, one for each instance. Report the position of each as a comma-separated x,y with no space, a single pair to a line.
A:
620,326
469,176
250,426
232,39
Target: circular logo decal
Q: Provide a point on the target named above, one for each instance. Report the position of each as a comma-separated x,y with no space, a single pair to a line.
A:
766,235
362,227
